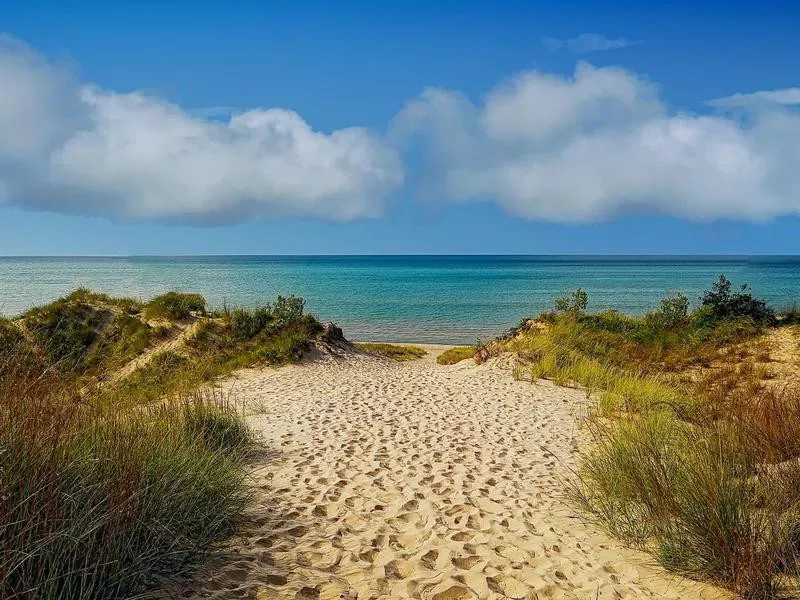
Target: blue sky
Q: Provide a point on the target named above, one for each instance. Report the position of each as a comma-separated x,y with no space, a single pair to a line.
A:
374,165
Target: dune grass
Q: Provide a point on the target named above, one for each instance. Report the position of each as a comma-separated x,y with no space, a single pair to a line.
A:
693,457
174,306
398,352
456,354
108,489
101,503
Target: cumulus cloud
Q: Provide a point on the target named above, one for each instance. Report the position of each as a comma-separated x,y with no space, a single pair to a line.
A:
601,143
586,43
76,148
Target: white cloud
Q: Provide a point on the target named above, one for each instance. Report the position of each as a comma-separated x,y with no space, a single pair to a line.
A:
586,43
600,144
786,97
74,148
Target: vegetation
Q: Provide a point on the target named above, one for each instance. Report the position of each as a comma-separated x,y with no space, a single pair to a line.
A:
99,503
456,354
695,454
174,306
112,481
394,351
574,302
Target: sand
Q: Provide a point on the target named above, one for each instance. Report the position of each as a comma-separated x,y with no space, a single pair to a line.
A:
417,480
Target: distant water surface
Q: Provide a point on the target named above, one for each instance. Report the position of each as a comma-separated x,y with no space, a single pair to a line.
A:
434,299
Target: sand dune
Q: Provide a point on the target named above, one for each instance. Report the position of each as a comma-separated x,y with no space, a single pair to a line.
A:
416,480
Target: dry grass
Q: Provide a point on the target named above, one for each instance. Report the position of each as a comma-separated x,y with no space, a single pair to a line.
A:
396,352
457,354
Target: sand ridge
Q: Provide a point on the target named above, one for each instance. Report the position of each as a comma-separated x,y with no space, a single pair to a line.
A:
418,480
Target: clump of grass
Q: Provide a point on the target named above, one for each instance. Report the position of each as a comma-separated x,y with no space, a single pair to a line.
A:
167,373
455,355
697,497
66,329
174,306
790,315
396,352
87,296
214,419
103,503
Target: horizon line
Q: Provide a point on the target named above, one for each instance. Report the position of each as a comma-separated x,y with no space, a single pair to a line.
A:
407,255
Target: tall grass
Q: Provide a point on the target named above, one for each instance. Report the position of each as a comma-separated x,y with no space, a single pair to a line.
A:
693,458
703,500
101,503
174,306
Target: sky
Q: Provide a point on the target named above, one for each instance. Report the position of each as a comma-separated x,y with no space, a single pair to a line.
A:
413,127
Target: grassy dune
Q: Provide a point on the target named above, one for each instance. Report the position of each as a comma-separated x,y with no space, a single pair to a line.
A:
694,453
110,484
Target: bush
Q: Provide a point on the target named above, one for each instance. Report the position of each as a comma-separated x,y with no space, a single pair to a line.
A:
287,311
575,302
247,324
174,306
722,303
672,314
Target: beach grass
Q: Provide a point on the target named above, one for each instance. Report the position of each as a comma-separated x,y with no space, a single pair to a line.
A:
693,455
111,485
455,355
174,306
398,352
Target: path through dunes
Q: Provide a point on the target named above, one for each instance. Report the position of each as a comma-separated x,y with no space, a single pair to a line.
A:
417,480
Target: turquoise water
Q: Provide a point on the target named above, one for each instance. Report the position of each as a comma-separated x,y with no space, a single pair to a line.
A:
444,299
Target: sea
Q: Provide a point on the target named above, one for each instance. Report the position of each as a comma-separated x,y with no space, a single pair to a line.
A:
426,299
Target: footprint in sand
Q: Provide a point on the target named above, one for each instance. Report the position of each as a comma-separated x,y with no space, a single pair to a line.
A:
417,480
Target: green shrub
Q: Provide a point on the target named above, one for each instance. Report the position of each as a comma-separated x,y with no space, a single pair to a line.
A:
672,314
174,306
722,303
288,310
247,324
574,302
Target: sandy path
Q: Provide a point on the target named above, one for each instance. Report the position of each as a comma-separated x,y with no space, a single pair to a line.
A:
416,480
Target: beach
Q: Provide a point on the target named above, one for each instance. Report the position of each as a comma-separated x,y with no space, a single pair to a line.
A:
418,480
